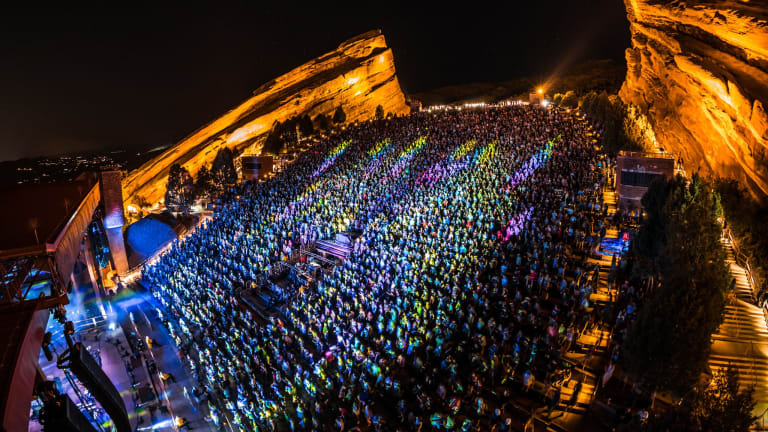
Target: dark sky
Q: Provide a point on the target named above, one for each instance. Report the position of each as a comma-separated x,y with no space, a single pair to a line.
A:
73,80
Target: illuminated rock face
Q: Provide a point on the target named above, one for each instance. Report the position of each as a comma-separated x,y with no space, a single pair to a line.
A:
359,75
699,70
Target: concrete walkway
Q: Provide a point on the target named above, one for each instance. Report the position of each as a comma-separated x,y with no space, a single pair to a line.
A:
742,339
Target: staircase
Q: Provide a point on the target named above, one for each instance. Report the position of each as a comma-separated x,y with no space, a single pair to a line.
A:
590,349
742,339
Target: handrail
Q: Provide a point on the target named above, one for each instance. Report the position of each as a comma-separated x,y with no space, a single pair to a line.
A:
742,260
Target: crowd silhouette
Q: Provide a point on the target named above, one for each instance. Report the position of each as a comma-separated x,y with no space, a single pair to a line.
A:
466,286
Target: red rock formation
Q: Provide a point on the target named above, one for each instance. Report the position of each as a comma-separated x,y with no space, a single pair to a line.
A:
699,70
359,75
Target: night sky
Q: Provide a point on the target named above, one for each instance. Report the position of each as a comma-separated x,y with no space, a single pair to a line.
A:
91,79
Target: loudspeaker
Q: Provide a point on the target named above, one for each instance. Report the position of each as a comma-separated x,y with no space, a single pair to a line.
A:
96,381
60,414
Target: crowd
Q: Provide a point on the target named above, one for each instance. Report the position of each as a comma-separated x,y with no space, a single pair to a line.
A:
464,289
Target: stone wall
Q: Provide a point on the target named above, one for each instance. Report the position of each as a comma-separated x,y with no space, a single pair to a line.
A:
359,75
699,70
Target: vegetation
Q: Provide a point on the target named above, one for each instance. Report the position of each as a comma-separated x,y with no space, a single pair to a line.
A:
678,246
179,194
204,184
339,116
593,75
569,99
274,143
746,218
223,168
323,122
379,112
305,125
720,406
611,115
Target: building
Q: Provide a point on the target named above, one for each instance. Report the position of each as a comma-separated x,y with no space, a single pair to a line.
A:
51,232
635,171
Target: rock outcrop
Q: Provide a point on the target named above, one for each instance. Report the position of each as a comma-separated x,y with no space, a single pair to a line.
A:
699,70
359,75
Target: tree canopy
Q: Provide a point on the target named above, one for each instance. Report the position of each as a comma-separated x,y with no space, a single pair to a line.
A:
323,122
720,406
570,99
179,193
204,184
379,112
339,116
622,129
305,125
668,345
274,144
223,168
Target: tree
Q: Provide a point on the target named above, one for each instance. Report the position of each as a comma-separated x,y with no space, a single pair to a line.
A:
223,168
612,116
746,218
204,184
305,125
667,347
719,406
570,99
179,193
274,144
322,121
339,116
379,112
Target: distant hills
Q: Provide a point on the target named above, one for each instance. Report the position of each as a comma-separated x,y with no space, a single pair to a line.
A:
591,75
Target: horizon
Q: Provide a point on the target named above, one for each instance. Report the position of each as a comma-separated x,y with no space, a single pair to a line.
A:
97,80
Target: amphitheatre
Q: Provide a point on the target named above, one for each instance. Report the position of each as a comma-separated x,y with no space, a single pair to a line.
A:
563,259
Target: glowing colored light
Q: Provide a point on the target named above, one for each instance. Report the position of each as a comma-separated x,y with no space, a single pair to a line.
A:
413,147
338,150
379,147
487,153
540,90
463,149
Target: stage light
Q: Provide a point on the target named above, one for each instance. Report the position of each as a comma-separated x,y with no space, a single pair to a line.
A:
540,90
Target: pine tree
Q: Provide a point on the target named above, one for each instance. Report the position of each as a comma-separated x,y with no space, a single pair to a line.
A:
273,144
720,406
339,116
379,112
668,345
305,125
204,184
179,193
322,121
223,168
570,99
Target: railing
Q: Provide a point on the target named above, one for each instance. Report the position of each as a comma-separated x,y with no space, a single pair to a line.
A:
742,260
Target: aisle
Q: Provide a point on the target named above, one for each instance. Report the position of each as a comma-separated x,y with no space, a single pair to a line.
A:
590,350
